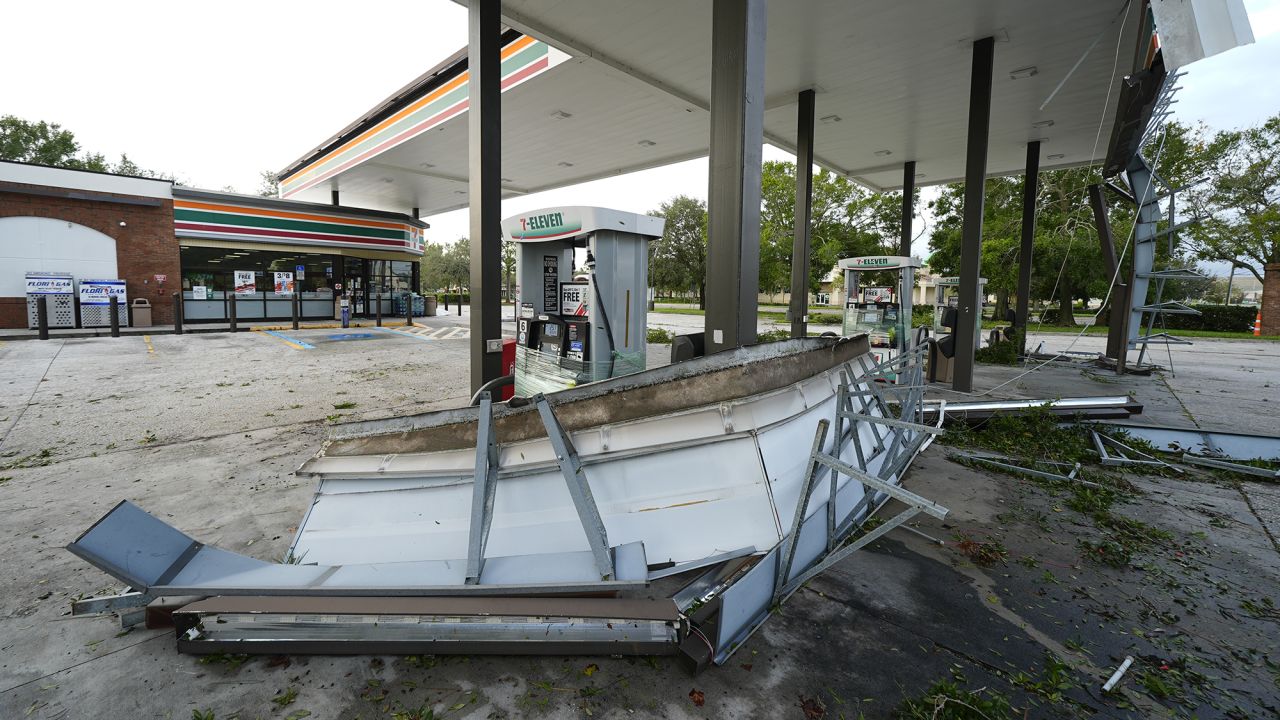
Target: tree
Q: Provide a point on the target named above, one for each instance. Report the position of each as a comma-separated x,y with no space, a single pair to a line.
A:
1240,207
431,274
269,186
456,267
43,143
678,260
48,144
847,221
509,269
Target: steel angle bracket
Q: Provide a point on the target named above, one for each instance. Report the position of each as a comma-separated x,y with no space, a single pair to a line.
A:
1224,464
484,489
1125,455
129,604
579,489
1008,463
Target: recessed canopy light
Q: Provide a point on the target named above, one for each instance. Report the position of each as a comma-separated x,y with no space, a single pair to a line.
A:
426,165
564,164
1042,124
920,175
883,153
459,192
647,143
561,115
1022,73
1056,156
830,119
505,179
387,180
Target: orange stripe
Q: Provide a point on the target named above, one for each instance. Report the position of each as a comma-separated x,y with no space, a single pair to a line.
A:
521,43
284,214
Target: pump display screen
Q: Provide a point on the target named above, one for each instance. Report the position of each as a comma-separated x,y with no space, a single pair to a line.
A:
550,330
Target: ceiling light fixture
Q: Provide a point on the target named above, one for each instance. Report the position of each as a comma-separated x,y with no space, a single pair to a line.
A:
830,119
1042,124
920,175
1056,156
647,143
564,164
1023,73
883,153
561,115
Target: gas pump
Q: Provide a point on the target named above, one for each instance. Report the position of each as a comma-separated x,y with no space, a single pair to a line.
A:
582,286
946,315
881,311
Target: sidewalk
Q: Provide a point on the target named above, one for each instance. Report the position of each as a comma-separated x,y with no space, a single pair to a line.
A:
439,318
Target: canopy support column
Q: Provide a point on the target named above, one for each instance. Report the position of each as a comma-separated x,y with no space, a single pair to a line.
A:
1030,186
908,206
975,175
802,243
484,124
733,197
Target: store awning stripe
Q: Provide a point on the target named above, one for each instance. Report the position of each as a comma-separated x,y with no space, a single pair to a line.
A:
524,61
271,235
242,220
264,212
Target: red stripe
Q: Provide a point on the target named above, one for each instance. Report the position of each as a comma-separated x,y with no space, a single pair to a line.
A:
515,77
231,230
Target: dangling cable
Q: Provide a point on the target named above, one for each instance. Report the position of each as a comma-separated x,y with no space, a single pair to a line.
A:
604,314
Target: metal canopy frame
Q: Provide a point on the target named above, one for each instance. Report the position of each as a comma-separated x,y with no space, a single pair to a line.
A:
733,606
1124,454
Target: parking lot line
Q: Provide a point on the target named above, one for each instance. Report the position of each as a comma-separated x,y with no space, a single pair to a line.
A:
294,343
151,349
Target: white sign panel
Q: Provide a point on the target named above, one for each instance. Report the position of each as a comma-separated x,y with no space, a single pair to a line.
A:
575,299
48,285
877,294
199,292
284,283
246,284
99,292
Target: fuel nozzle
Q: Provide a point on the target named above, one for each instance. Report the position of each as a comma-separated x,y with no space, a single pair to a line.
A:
591,261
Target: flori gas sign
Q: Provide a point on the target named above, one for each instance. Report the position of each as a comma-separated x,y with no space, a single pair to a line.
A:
49,284
100,292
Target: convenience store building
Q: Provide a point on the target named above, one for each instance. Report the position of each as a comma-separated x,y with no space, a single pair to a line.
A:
161,238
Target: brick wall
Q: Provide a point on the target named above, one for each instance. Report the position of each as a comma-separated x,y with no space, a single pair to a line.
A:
145,246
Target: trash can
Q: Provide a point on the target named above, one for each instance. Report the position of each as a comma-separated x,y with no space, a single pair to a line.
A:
430,306
141,308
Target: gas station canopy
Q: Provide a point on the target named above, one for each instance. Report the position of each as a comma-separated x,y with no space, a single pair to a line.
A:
591,92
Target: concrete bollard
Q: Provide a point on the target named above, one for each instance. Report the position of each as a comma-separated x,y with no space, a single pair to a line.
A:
295,302
231,313
177,313
408,310
42,317
378,302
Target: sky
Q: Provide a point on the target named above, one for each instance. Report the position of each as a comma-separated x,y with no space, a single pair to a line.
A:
216,94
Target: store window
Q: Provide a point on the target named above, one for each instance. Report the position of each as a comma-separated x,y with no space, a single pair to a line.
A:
392,277
214,268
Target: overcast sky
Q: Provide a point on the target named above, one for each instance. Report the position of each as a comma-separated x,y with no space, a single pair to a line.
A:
218,93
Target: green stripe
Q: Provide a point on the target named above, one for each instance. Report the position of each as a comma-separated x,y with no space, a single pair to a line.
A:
509,66
284,224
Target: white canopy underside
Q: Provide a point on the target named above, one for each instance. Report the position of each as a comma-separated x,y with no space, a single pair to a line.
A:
896,75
